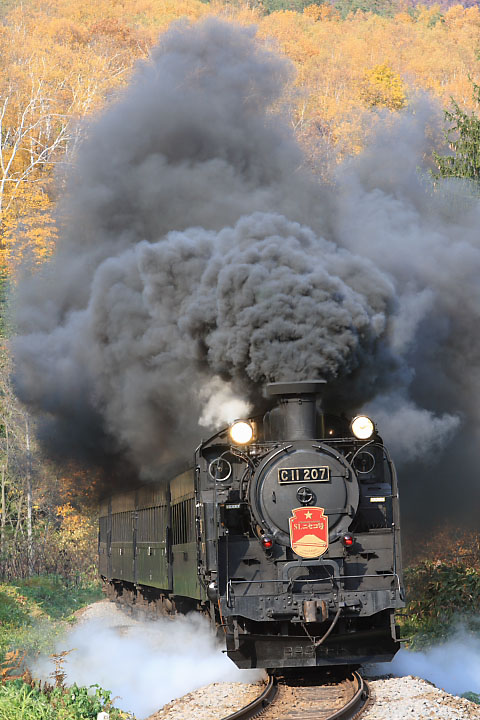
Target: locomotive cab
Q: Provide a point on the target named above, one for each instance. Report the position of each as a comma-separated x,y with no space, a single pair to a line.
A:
299,536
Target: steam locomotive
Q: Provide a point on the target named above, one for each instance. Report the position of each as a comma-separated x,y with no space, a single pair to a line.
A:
285,532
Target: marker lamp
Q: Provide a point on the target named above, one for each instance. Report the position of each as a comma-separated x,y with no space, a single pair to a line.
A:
267,542
241,432
362,427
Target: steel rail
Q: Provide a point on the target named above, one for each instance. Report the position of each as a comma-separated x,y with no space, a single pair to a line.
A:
258,705
350,711
357,704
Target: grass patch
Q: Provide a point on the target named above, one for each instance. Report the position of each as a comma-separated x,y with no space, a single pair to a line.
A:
13,608
19,700
35,611
25,701
55,597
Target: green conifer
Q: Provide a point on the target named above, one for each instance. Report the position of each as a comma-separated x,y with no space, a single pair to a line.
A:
463,137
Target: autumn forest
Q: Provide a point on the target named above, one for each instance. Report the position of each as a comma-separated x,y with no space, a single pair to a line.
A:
357,65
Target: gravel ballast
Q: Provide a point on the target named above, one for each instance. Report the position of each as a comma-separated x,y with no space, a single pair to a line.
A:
392,699
411,697
213,701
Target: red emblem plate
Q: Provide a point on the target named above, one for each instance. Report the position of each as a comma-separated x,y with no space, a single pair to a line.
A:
309,531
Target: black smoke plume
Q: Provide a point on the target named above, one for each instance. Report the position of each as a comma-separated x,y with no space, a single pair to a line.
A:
201,258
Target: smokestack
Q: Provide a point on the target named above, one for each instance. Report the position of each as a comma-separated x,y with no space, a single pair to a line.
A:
297,407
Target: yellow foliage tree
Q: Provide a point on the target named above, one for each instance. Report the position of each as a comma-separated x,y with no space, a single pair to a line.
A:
313,11
383,88
77,536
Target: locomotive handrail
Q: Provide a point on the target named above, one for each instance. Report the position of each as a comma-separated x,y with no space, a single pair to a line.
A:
350,577
311,580
283,449
323,564
372,442
318,580
327,450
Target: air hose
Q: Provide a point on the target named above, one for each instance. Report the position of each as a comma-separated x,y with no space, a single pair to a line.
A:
334,622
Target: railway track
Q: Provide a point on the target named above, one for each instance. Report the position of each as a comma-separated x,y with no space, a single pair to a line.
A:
343,698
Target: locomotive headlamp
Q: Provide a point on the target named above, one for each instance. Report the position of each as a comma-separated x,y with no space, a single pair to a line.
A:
362,427
241,432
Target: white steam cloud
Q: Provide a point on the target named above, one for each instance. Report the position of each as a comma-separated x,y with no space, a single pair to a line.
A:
453,665
145,664
221,406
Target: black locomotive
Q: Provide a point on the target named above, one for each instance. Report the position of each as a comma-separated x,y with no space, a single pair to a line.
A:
285,531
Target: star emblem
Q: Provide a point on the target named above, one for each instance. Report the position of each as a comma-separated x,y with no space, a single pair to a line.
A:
308,515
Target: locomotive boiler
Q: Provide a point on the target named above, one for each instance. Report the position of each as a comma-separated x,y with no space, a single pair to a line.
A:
285,532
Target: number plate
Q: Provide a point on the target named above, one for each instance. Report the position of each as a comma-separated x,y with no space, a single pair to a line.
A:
301,475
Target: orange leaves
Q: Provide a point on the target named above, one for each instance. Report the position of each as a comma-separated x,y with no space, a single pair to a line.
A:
76,535
404,17
429,16
472,16
321,12
334,57
313,11
59,675
66,32
65,58
28,230
114,29
11,667
75,527
54,71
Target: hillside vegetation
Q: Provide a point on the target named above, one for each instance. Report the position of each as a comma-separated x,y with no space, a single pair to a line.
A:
63,60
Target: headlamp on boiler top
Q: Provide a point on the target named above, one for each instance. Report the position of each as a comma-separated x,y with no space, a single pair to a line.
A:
362,427
241,432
